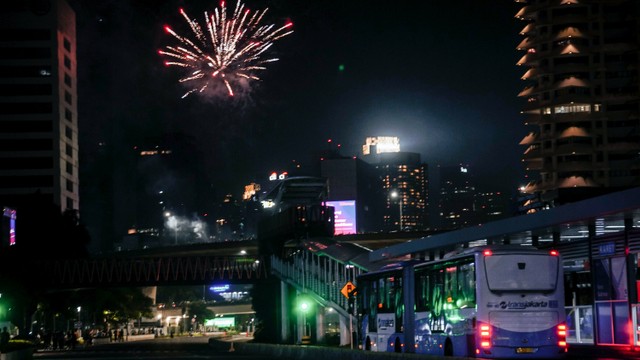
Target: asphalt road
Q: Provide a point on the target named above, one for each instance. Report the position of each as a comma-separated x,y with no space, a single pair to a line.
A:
198,348
178,348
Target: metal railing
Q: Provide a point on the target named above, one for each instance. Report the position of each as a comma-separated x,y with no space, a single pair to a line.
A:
319,276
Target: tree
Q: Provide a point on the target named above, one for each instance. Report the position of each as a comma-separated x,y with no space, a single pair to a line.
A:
120,305
198,312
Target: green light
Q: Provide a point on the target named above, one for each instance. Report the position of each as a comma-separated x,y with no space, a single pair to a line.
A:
304,304
341,67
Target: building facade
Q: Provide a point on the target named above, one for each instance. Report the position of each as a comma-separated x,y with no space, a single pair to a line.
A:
402,178
581,68
168,194
457,197
352,179
38,104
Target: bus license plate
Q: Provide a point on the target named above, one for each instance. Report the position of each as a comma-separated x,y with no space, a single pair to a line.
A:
525,350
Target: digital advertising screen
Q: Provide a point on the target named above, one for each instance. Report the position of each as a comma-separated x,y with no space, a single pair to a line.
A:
345,216
8,225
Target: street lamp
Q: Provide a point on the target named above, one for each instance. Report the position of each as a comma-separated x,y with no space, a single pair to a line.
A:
304,308
396,194
79,308
172,222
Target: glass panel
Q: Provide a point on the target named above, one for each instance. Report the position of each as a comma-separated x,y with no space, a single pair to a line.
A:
602,279
517,272
619,277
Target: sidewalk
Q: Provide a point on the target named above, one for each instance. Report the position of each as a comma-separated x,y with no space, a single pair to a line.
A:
624,352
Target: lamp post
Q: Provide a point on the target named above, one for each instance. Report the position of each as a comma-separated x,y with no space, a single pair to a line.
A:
396,194
304,308
172,221
79,308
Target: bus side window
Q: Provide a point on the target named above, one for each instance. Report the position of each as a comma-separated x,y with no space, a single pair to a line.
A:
451,286
437,293
422,292
466,282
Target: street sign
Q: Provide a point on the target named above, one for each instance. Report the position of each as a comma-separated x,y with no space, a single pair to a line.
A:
348,289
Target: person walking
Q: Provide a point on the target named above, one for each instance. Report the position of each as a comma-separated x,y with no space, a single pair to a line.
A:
4,338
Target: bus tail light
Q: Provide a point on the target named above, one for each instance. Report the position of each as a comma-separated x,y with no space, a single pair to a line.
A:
562,335
485,336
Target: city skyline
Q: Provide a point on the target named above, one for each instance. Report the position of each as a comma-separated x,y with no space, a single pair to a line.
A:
347,72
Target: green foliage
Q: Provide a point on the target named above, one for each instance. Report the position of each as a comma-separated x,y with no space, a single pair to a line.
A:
200,311
122,304
177,293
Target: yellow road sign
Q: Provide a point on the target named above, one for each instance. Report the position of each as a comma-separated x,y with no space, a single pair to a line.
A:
347,289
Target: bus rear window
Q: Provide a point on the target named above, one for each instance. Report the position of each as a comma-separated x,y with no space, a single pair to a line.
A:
517,272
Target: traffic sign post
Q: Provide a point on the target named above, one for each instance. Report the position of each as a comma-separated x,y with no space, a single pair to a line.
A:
349,291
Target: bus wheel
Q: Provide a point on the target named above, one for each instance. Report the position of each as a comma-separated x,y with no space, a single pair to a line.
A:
448,348
367,344
398,346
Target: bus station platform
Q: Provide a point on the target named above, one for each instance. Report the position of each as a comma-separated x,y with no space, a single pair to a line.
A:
581,351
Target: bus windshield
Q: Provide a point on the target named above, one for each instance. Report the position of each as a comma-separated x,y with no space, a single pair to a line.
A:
515,272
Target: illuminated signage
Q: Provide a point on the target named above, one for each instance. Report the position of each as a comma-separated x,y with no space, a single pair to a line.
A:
250,190
8,225
221,322
344,216
219,288
275,176
267,204
383,144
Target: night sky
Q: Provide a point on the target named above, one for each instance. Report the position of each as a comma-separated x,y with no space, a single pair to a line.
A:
440,75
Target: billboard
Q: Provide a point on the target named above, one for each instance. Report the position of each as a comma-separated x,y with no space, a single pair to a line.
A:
345,216
8,225
221,322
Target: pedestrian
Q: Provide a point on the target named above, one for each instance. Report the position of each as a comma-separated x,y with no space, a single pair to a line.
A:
4,337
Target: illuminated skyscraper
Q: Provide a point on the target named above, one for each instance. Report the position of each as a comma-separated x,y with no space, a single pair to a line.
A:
403,180
38,104
581,67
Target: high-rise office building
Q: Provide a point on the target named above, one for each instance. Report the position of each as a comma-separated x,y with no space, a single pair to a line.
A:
403,179
581,65
351,179
38,104
167,193
457,197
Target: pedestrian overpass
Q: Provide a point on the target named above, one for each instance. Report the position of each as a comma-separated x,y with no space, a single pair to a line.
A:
602,231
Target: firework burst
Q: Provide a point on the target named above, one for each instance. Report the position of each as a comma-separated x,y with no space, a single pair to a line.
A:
229,49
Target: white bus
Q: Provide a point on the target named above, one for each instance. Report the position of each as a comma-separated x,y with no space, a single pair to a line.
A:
497,301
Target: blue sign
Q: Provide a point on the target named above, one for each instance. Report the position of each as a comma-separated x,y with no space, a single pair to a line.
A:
607,248
219,288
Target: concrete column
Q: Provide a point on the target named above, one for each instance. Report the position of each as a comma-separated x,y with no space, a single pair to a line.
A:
300,327
345,334
408,316
320,325
284,311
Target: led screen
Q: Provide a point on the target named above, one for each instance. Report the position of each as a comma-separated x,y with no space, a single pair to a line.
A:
345,216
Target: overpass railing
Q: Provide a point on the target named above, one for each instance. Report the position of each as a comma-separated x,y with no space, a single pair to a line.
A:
319,276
